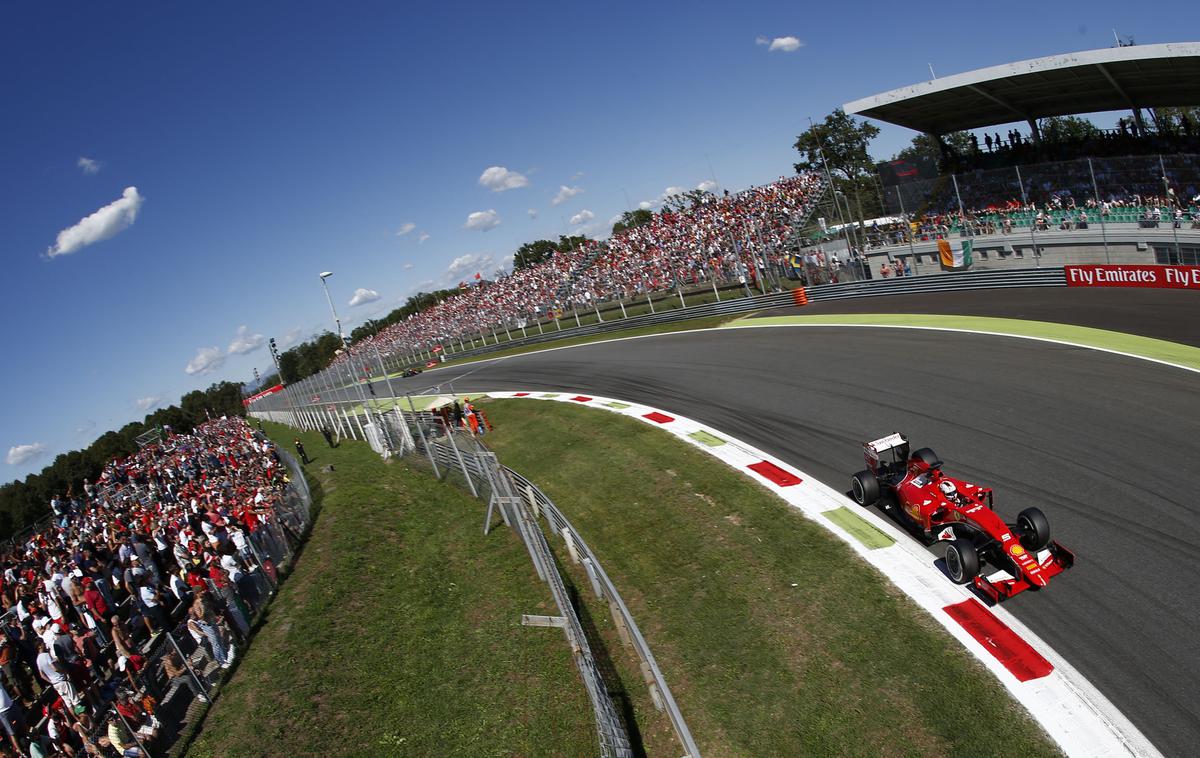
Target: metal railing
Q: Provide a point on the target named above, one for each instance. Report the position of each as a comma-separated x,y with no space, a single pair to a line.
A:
325,400
461,457
660,693
942,282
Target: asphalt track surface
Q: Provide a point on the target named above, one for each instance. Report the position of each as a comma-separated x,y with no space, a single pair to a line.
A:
1163,314
1104,444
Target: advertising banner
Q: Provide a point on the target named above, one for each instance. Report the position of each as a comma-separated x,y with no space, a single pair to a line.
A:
1175,277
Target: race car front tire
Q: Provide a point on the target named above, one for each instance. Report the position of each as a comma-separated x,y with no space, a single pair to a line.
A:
865,487
962,561
1033,529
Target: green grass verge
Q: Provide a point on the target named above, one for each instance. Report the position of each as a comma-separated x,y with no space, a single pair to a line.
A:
398,633
1146,347
775,638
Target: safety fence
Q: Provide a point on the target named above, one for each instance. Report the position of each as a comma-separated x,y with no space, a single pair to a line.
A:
141,674
454,454
339,385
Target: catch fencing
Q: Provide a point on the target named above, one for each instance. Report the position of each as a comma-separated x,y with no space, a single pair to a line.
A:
334,398
455,455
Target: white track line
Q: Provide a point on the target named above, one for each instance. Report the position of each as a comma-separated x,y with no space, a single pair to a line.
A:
977,331
1072,711
738,324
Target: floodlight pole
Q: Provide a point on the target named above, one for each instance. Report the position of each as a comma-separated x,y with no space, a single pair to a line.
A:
346,346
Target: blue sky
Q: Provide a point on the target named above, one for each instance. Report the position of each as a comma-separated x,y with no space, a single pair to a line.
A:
270,141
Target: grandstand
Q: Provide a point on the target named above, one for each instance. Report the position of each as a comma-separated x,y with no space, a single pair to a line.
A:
1127,195
741,238
1020,207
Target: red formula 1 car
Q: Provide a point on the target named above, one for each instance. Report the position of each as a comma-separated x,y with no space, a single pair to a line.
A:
1022,556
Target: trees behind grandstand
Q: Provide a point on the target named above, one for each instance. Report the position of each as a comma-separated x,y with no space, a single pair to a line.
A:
632,219
925,146
839,144
25,502
1067,129
533,253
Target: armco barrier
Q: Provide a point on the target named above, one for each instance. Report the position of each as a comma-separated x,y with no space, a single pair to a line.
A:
660,693
948,282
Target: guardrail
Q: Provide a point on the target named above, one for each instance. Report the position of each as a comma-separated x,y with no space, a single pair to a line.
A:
520,503
604,588
332,381
945,282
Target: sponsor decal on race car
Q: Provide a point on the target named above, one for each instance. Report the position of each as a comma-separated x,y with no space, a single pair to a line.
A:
946,534
1016,550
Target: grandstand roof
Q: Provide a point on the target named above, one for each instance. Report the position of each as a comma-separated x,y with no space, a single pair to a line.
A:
1118,78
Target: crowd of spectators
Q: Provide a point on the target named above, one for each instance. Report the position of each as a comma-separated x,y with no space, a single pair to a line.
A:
732,237
1064,195
164,540
996,151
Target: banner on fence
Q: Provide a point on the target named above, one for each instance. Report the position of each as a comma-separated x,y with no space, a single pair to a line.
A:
261,395
1176,277
955,255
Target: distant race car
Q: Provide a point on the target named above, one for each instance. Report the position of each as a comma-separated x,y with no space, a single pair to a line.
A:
942,508
410,372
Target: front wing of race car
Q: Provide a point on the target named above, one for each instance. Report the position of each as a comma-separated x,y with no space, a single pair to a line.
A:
1001,585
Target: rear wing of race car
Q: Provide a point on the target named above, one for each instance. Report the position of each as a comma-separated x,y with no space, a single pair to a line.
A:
895,441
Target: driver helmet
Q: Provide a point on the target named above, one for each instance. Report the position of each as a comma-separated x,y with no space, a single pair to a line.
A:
948,489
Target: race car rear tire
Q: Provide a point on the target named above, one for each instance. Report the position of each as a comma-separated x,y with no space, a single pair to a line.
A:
926,456
865,487
1034,529
962,561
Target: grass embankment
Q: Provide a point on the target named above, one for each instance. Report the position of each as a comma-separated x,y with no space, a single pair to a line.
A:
774,637
398,632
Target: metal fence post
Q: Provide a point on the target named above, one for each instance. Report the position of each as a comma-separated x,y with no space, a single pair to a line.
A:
421,432
188,665
462,463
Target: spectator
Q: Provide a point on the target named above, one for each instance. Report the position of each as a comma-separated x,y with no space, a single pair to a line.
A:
12,718
179,675
300,451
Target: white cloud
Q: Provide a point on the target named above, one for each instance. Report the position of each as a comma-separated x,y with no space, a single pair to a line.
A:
708,185
87,165
464,267
207,360
532,212
362,296
646,205
483,220
407,267
148,402
582,217
101,225
18,454
405,229
576,176
673,191
784,44
245,342
291,338
565,193
499,179
421,238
